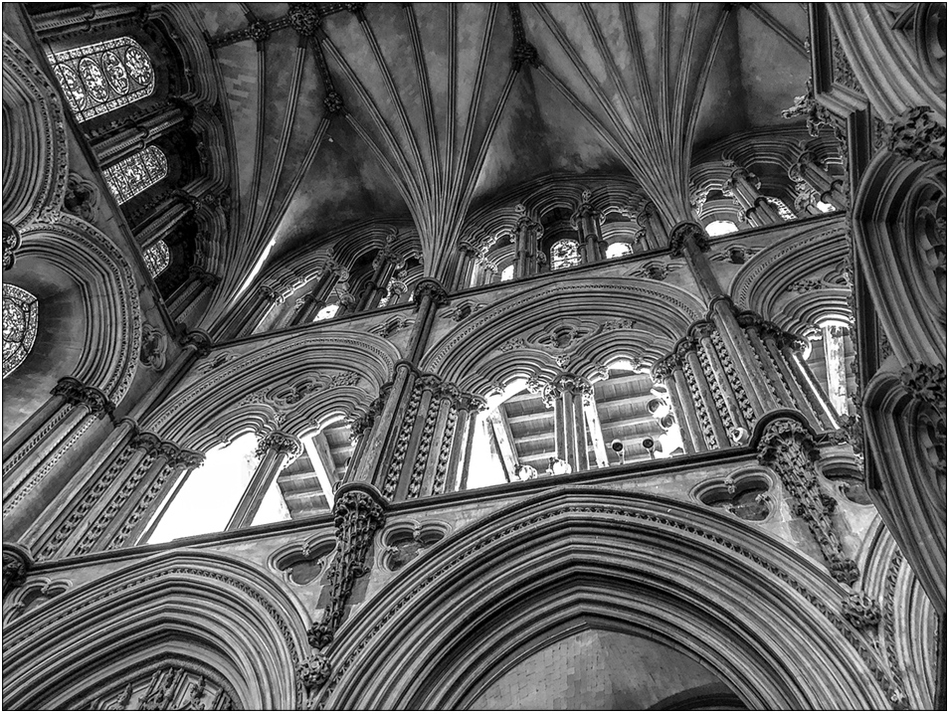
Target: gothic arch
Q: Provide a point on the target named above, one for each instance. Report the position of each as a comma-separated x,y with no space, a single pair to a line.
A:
889,238
35,164
681,573
765,284
213,398
211,607
664,310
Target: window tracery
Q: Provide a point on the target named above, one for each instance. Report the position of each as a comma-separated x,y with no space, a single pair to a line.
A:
157,258
131,176
565,253
104,76
20,318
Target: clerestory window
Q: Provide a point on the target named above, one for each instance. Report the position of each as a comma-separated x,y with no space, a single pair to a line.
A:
131,176
101,77
566,253
157,258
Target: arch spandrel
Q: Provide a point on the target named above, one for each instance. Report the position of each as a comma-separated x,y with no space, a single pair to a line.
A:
223,380
665,310
746,604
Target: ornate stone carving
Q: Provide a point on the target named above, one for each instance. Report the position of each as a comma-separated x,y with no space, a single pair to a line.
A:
11,243
433,289
687,230
283,444
789,449
358,515
927,382
81,198
154,346
917,136
76,393
653,271
16,564
861,611
565,383
807,106
314,671
333,102
305,18
199,340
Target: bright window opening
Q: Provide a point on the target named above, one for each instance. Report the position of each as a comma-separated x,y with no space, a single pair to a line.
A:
157,258
720,228
326,313
565,253
616,250
508,274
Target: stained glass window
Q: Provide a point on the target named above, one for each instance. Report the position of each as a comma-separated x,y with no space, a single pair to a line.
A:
565,253
98,78
615,250
782,209
157,258
20,312
133,175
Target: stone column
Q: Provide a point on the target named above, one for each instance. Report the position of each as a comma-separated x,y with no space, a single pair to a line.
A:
652,234
260,304
167,485
788,448
823,411
829,189
169,465
28,466
275,451
697,380
727,404
199,281
744,186
587,221
566,393
663,372
527,234
162,220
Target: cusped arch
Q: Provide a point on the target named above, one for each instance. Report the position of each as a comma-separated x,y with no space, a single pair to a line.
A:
89,324
742,603
215,608
35,159
766,284
213,397
663,311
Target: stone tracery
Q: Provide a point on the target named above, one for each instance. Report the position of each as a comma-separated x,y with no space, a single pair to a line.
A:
480,312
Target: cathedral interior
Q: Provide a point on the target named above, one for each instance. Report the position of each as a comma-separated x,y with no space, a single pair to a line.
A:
474,356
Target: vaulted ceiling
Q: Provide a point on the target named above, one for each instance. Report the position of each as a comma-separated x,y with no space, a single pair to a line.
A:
447,104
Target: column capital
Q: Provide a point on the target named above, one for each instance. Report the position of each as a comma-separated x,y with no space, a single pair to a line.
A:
280,443
684,232
566,383
76,393
17,562
433,289
199,340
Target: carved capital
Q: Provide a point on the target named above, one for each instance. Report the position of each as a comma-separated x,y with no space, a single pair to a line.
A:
427,287
927,382
147,442
16,564
280,443
199,340
566,383
917,136
781,436
684,232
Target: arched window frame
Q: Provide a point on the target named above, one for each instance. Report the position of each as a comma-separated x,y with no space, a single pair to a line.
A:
20,320
104,76
157,258
141,171
564,257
